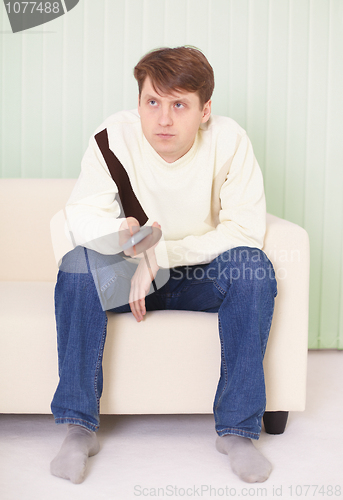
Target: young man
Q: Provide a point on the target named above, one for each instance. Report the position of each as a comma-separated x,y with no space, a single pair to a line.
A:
193,177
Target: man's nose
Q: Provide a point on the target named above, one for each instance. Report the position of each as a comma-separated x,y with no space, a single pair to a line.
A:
165,118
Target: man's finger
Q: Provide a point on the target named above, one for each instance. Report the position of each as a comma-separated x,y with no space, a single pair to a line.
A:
149,241
138,309
137,304
142,306
133,227
134,310
132,304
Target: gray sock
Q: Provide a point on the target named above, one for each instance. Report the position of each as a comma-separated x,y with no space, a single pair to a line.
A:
79,444
245,460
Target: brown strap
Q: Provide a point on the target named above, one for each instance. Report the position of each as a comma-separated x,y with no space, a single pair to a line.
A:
129,202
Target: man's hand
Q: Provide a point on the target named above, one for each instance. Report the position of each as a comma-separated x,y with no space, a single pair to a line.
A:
128,227
147,268
140,284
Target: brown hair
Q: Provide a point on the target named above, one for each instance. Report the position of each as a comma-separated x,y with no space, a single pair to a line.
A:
178,69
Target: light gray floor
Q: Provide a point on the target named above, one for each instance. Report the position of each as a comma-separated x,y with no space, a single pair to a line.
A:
174,456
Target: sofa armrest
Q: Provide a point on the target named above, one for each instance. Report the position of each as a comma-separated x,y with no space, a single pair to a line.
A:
287,246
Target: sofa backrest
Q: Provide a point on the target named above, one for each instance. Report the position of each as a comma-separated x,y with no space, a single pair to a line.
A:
26,209
30,208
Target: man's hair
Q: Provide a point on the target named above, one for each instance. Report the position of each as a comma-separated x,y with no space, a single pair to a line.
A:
181,69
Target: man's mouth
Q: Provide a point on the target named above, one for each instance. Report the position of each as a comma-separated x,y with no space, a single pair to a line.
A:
165,136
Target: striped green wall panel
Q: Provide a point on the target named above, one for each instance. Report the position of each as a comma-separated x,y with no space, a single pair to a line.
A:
279,73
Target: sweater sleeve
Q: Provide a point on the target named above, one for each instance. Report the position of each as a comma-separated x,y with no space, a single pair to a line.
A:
92,209
242,215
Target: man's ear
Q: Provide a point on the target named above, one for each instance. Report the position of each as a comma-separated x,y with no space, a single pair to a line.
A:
206,112
139,103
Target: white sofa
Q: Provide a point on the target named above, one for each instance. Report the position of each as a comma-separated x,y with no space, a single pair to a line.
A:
145,364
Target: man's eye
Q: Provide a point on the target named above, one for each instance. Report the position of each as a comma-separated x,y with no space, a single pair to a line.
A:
152,102
179,105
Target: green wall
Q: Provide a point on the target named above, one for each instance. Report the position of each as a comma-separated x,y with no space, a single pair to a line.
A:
279,73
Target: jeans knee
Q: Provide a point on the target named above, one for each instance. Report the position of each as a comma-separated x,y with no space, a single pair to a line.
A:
75,262
258,271
249,266
75,283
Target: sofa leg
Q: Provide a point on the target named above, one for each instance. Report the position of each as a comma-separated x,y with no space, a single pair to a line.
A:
275,421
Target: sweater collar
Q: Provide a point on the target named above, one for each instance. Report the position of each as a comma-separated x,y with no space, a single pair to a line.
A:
158,161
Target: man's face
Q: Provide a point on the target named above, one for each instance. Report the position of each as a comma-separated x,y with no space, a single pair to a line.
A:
170,122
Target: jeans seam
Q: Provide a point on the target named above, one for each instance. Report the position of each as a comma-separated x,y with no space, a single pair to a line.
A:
219,288
200,282
264,345
223,362
98,363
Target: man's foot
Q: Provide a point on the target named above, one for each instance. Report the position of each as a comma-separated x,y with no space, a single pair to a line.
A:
79,444
245,460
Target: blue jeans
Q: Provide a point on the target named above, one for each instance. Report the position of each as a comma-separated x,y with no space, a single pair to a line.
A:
239,285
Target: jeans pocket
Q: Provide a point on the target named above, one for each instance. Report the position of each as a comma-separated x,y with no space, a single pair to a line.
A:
113,290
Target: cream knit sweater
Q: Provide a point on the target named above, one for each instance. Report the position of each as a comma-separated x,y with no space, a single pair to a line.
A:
208,201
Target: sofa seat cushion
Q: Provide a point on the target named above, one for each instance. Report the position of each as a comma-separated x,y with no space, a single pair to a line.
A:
27,346
167,363
156,366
